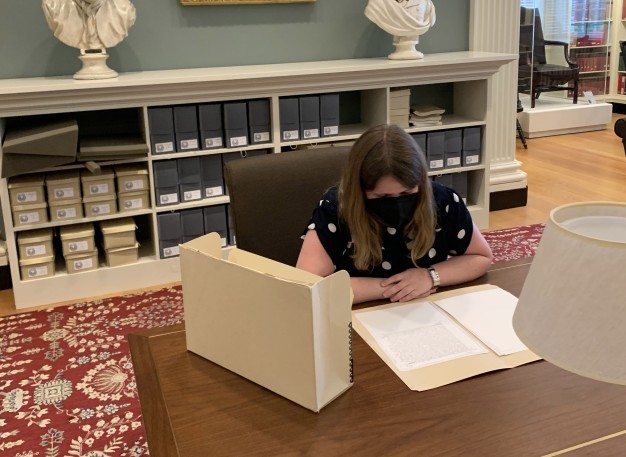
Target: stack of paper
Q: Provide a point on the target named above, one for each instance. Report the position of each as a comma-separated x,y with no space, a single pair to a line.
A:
425,115
399,107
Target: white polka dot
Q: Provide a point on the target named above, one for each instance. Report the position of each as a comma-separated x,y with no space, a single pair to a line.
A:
453,252
386,265
349,244
391,230
302,237
321,202
332,227
438,229
432,253
456,197
461,234
447,208
311,226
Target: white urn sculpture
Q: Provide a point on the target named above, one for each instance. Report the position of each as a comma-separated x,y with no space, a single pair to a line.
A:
91,26
405,20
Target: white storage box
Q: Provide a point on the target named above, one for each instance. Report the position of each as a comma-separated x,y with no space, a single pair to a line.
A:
84,261
283,328
118,233
133,201
77,239
62,186
122,256
42,267
98,185
25,215
66,210
26,190
100,206
131,178
35,244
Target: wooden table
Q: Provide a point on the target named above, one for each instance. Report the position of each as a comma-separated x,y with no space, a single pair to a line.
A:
192,407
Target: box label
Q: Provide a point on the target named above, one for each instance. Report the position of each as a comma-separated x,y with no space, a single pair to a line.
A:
471,160
213,191
98,189
331,130
311,133
192,195
188,144
101,209
66,213
290,135
40,249
28,218
135,184
168,199
83,264
26,197
171,252
79,246
64,192
213,142
34,272
134,203
434,164
453,161
261,137
163,148
238,141
223,242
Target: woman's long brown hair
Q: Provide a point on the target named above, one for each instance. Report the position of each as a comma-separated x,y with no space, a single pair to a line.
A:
385,150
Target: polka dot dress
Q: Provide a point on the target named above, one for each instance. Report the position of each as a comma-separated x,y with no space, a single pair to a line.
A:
452,235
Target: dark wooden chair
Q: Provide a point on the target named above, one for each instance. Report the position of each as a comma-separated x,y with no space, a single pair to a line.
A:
536,75
273,196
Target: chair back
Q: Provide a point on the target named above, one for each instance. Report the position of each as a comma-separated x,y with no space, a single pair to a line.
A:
531,34
273,196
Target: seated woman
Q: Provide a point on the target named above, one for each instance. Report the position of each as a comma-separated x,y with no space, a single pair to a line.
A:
396,233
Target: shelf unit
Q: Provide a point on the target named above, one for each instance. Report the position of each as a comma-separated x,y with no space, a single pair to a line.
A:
464,78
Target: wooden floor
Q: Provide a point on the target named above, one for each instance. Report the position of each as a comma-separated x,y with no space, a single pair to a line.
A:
561,169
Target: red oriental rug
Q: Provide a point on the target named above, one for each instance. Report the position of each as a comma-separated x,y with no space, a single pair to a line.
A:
66,377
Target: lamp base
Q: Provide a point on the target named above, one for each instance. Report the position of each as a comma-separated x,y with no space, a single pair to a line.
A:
405,48
94,66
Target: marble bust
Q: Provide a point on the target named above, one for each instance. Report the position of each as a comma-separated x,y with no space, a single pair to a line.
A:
89,24
406,20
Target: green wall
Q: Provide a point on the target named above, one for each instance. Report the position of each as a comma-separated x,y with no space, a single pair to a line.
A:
169,36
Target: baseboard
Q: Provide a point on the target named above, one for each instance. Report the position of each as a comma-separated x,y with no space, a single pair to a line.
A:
506,199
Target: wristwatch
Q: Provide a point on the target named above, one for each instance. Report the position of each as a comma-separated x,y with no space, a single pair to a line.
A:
434,276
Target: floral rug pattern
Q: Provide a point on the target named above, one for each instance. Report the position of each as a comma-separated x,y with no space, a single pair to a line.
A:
67,387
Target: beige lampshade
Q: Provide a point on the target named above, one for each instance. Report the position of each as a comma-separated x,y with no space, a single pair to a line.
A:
572,309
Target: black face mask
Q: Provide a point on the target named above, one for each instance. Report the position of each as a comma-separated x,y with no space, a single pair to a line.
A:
396,212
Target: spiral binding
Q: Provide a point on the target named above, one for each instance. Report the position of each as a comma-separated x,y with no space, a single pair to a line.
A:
350,352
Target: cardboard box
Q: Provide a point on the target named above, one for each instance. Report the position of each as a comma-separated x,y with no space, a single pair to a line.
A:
131,178
35,243
77,238
24,215
287,330
98,185
63,186
133,201
84,261
122,256
118,233
66,210
42,267
100,206
26,190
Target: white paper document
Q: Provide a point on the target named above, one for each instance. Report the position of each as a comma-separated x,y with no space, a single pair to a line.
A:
488,314
416,335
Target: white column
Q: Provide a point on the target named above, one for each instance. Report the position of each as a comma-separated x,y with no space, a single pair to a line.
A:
494,27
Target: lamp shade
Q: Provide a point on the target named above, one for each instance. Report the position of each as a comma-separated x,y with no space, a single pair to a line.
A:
572,309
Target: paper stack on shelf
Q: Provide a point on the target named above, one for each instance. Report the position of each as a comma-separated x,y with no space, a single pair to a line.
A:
425,115
399,109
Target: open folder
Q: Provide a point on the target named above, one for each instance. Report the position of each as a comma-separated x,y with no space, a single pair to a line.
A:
445,337
283,328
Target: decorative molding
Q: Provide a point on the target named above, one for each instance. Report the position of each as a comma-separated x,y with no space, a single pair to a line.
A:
239,2
494,27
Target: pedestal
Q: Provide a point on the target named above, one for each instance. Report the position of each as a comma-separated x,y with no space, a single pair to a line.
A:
94,66
405,48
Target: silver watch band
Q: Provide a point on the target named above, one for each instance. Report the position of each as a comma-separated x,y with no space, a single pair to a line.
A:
434,276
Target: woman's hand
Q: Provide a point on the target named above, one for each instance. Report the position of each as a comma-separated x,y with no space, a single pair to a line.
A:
408,285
